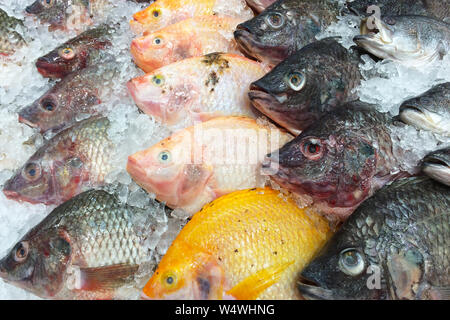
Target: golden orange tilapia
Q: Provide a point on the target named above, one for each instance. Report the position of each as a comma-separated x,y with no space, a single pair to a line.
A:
163,13
249,244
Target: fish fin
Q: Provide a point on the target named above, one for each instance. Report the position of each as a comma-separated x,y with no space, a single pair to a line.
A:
106,277
405,271
251,287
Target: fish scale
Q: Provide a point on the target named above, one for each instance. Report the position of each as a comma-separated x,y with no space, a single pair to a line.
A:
102,244
10,39
243,232
74,160
413,220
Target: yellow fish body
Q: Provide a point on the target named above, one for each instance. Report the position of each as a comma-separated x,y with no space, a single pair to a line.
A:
249,244
163,13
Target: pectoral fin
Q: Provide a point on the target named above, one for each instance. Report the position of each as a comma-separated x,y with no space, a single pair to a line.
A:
109,277
251,287
405,269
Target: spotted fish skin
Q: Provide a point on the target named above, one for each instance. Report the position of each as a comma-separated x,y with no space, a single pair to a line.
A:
10,39
73,161
87,248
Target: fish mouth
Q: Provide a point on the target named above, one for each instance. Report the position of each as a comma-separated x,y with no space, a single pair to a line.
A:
23,119
48,70
246,42
11,194
437,168
311,291
375,37
423,119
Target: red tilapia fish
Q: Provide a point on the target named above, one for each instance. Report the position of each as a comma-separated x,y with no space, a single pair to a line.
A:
197,89
90,247
73,161
163,13
198,164
188,38
341,160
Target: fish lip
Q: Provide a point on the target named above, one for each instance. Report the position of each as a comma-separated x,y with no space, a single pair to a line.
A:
11,194
24,120
312,292
48,70
244,39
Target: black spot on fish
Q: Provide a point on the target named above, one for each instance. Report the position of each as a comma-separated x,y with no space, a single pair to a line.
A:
216,59
236,250
212,80
275,253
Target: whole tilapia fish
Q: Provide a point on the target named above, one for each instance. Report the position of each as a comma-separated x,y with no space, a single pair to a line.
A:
411,40
247,245
430,110
75,95
395,246
198,164
307,85
73,161
87,248
340,160
285,27
10,39
259,5
430,8
66,14
188,38
75,54
197,89
437,165
163,13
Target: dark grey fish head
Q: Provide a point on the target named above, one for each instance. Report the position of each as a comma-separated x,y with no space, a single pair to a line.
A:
283,28
38,262
310,82
429,111
340,270
332,164
269,36
437,165
50,11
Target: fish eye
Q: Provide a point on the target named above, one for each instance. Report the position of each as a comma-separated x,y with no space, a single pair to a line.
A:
158,80
275,20
47,3
67,53
21,251
48,105
169,279
165,157
312,149
296,81
351,262
32,171
157,41
156,13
